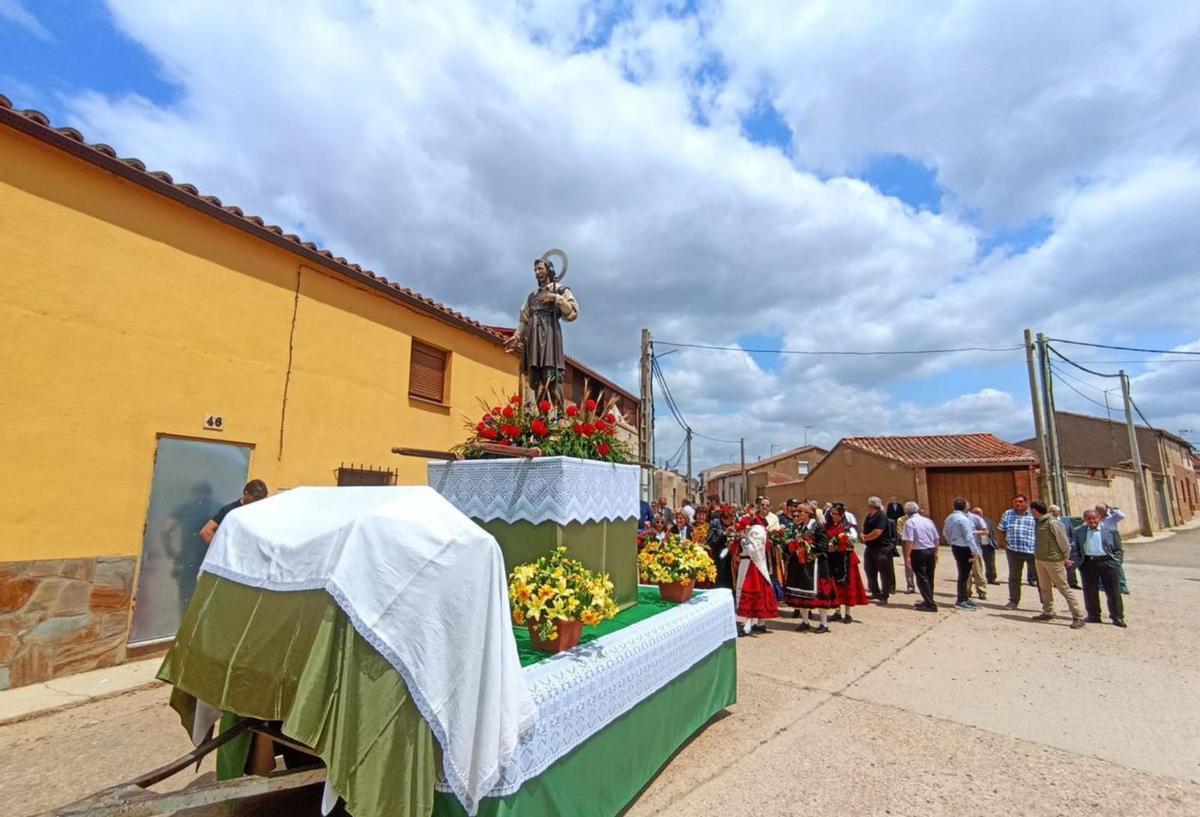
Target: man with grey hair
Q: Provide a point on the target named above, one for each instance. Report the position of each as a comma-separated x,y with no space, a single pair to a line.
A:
879,539
920,553
1110,519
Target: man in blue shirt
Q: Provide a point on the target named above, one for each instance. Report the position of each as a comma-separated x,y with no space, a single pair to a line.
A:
959,533
1095,550
1018,537
1110,518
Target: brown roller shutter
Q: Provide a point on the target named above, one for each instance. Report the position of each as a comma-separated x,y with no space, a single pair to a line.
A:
427,373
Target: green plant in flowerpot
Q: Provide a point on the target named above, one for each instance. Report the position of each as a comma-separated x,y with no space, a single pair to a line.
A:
675,565
555,597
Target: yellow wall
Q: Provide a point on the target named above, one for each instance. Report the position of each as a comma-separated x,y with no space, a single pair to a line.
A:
124,315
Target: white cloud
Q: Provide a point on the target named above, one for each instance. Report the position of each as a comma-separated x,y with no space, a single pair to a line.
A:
1013,103
447,146
15,12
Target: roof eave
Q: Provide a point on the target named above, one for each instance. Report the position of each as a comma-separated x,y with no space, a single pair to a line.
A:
142,178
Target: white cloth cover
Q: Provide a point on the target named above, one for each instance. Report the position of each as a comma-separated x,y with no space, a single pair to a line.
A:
755,546
579,692
541,489
423,584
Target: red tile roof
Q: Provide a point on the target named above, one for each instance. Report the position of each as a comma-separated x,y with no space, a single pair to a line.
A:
36,124
945,449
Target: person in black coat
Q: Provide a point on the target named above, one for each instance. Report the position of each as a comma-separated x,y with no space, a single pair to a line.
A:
719,533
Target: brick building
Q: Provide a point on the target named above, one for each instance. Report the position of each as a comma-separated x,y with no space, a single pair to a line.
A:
1088,444
933,470
725,481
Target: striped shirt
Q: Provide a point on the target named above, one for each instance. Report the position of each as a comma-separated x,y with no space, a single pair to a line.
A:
1020,531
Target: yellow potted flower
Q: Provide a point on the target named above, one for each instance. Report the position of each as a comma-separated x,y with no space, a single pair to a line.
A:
675,565
555,597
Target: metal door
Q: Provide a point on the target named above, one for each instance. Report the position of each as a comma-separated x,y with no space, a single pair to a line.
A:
192,480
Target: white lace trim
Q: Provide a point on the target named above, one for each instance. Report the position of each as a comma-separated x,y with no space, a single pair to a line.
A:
542,489
578,693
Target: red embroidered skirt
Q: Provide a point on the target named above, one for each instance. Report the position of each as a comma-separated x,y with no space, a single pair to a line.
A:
757,599
852,593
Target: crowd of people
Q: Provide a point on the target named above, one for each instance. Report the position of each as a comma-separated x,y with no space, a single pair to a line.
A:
806,556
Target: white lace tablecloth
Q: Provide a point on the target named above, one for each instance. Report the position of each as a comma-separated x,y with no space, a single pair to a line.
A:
579,692
541,489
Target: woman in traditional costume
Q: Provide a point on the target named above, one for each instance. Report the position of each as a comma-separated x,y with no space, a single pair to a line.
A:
700,530
844,564
754,595
809,586
721,544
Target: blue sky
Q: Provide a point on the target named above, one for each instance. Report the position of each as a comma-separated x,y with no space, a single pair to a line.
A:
84,51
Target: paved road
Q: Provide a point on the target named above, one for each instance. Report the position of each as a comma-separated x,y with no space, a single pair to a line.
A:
905,713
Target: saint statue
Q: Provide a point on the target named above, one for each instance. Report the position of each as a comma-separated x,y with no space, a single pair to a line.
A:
539,331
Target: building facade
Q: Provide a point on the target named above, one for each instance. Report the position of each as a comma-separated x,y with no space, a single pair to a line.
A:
727,483
167,348
1086,443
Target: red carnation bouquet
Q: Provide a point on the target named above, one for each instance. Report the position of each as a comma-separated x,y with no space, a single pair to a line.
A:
840,542
785,540
588,431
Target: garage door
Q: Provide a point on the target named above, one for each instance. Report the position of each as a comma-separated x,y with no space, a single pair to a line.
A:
989,488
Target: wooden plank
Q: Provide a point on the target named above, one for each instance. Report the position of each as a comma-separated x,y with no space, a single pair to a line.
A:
425,453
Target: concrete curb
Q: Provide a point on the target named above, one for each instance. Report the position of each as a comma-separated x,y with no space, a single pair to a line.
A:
36,700
1164,534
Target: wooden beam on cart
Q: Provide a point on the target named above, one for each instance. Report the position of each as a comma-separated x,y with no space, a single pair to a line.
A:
490,448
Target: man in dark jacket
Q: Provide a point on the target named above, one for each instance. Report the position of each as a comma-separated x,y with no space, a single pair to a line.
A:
1096,551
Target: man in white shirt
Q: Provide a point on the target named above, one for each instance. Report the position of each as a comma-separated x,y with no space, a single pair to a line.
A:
920,540
764,510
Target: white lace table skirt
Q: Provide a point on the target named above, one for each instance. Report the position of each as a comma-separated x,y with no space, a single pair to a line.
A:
543,489
578,693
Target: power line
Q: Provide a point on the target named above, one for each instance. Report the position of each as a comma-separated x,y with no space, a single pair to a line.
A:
715,439
669,398
1123,348
1149,425
1077,380
1146,361
1058,374
850,353
1078,366
673,460
674,407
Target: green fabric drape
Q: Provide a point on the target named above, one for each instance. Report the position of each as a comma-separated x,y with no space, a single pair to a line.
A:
294,657
602,776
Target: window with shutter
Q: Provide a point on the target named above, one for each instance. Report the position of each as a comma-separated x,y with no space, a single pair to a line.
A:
427,372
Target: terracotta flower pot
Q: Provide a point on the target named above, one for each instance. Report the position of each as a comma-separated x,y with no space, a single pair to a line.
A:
677,592
569,633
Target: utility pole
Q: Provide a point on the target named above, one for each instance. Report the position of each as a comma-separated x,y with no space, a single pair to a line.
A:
1139,476
745,477
1058,481
1038,423
646,438
689,458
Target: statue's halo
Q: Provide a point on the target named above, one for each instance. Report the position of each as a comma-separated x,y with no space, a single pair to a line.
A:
561,273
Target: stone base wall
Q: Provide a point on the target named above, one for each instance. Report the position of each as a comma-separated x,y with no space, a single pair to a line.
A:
62,616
